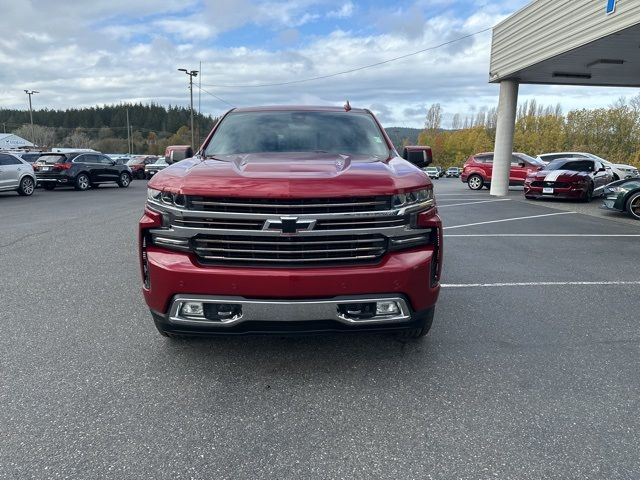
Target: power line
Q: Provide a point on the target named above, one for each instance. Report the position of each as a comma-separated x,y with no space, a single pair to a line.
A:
357,69
217,97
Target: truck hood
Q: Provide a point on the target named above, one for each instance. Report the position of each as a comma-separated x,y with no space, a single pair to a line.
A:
294,175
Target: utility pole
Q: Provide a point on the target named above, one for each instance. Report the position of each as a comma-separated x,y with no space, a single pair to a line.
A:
199,95
33,140
191,73
128,134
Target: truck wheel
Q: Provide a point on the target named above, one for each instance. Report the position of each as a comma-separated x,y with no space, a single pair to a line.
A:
82,182
633,206
124,180
422,329
475,182
27,186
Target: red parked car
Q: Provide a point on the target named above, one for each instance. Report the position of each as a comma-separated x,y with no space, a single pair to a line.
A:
578,178
300,219
478,169
137,164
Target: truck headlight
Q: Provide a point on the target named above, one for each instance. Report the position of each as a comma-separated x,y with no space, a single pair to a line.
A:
153,194
415,197
167,198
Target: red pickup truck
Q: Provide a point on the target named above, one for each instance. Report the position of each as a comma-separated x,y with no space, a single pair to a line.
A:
293,219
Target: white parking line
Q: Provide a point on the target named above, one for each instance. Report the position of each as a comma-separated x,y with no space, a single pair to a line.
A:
534,284
508,220
474,203
457,195
561,235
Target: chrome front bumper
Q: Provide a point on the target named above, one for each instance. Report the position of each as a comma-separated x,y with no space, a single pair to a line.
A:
288,310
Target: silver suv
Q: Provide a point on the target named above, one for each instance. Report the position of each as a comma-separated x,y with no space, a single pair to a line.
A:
16,174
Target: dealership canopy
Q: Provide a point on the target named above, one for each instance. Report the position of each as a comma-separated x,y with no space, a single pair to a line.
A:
560,42
9,141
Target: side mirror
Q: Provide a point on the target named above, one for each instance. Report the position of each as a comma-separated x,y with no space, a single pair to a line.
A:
521,164
420,156
602,169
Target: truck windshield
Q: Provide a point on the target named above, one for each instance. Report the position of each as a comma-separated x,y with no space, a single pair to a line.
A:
288,131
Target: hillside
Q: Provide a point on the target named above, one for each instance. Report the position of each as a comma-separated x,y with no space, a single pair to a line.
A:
403,136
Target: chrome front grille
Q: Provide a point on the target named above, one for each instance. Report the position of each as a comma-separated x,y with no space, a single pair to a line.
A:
289,250
298,206
288,232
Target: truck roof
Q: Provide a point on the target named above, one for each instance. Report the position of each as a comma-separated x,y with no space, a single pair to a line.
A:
298,108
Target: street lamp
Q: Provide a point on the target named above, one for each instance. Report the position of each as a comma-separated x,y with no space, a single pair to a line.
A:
33,140
191,73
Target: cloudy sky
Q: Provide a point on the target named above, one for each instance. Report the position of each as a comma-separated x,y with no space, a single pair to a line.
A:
83,53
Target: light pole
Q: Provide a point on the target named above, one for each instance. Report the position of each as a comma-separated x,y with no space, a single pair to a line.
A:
191,73
33,140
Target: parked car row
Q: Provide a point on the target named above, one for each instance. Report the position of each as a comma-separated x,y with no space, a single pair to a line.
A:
79,169
23,170
567,175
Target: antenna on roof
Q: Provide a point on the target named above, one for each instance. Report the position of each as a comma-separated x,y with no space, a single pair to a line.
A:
347,106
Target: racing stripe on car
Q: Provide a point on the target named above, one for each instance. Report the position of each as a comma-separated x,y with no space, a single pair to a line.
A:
553,175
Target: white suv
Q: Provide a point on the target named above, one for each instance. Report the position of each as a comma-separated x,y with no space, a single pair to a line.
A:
619,171
16,174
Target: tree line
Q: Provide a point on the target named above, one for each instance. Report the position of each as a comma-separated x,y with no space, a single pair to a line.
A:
612,133
152,127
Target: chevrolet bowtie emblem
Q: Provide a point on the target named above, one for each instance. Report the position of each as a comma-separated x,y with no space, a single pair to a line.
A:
289,225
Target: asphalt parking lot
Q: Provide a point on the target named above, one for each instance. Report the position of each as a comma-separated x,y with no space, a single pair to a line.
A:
530,371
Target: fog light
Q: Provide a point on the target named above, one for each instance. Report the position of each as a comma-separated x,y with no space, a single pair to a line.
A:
192,309
387,308
222,311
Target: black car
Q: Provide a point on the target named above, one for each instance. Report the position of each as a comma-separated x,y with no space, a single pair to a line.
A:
623,195
79,170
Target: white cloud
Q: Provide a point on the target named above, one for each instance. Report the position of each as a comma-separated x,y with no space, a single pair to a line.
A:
110,56
345,11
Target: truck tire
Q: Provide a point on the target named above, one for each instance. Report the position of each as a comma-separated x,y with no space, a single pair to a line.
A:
475,182
160,326
421,329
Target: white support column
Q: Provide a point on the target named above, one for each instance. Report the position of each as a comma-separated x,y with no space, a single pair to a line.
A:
503,150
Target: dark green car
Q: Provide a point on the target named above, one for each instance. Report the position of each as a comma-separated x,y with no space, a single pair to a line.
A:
623,195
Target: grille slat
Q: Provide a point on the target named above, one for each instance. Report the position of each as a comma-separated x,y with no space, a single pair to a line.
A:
258,260
323,242
285,249
298,206
290,252
322,224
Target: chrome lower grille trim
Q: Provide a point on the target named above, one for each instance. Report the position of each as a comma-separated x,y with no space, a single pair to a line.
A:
287,310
